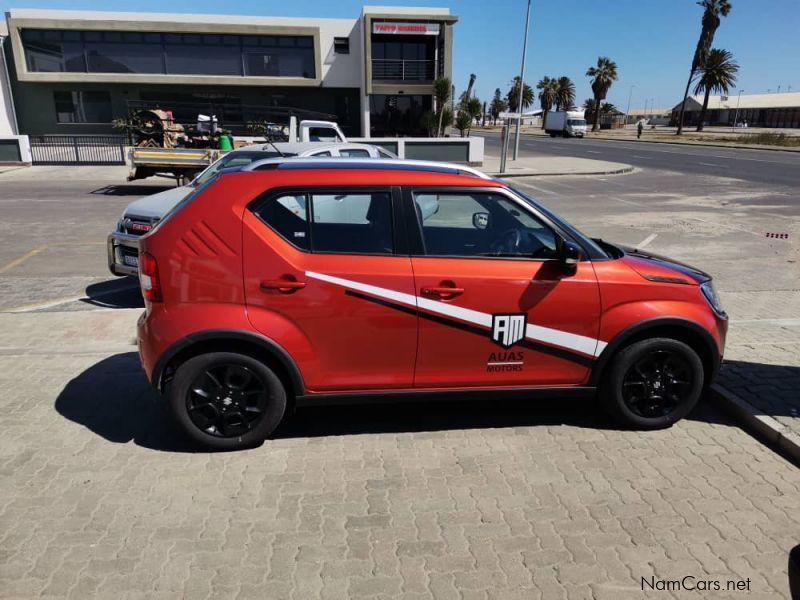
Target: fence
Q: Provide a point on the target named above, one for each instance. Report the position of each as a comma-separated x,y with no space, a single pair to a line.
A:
403,70
78,149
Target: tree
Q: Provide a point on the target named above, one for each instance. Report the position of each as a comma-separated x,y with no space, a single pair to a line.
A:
463,121
589,106
498,105
428,121
547,96
717,74
474,110
603,75
713,10
441,92
512,97
609,109
564,93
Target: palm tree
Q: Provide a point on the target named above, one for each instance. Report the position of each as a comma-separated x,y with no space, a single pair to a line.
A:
717,74
441,92
547,87
474,109
565,93
608,108
589,106
498,105
713,10
512,97
603,75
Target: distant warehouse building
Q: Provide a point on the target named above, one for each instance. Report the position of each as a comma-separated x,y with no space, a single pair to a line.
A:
74,72
758,110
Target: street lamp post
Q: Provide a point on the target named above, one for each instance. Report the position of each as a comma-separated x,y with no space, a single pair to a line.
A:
736,114
628,110
521,81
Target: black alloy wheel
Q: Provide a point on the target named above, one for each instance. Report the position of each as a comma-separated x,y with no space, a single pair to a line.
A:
657,383
227,400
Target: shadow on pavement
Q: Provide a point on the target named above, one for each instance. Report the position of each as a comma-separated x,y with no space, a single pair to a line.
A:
121,292
772,389
130,190
113,399
794,572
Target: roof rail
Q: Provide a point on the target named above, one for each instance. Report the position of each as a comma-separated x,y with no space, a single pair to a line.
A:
390,164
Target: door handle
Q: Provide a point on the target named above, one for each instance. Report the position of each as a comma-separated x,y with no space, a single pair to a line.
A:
445,293
287,284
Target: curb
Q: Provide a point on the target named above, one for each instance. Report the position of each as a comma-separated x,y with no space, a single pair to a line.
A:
780,437
627,169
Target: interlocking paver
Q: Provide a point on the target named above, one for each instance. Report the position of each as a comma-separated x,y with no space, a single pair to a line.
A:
100,498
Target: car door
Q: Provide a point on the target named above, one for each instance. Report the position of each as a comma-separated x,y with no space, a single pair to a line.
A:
318,264
496,307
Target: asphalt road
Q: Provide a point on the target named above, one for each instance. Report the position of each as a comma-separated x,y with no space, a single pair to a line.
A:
758,166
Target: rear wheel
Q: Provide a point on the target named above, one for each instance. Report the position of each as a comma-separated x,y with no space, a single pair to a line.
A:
225,401
653,383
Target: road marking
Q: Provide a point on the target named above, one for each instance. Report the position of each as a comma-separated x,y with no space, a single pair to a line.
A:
22,259
625,201
788,321
538,189
640,156
711,165
594,152
66,300
646,241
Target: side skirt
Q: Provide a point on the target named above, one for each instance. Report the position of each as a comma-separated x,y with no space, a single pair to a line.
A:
393,397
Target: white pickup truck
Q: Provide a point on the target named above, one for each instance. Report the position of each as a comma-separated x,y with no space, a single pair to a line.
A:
185,163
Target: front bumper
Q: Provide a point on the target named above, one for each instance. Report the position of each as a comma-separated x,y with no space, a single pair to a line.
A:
118,246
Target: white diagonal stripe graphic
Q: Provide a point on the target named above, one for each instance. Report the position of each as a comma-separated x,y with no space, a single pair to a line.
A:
536,333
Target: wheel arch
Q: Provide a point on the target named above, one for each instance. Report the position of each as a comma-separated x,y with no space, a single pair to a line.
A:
692,334
229,340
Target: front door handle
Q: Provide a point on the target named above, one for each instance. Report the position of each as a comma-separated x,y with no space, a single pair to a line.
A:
287,284
443,292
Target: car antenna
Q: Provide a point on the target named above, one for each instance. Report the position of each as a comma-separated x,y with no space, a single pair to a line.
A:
271,143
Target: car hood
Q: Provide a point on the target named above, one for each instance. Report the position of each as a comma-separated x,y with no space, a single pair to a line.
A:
659,268
157,205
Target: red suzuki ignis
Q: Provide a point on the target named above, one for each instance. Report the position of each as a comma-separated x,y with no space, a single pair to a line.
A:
308,282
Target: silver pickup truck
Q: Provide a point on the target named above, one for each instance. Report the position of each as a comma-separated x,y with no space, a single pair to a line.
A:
141,215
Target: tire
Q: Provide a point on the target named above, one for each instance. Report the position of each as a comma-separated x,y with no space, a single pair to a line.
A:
552,135
653,383
211,394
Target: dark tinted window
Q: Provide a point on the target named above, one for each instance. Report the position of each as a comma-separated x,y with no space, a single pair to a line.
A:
481,224
347,223
82,107
341,45
357,222
49,50
288,216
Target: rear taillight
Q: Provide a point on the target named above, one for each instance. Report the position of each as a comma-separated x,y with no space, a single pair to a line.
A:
148,277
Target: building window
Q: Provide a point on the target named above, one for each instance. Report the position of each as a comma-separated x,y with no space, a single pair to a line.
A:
341,45
53,51
82,107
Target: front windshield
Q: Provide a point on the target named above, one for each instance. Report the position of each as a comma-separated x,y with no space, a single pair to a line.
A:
232,159
575,122
594,249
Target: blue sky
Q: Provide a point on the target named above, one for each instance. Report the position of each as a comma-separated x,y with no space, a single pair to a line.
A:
651,40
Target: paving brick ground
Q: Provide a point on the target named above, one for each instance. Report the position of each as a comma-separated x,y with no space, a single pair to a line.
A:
100,499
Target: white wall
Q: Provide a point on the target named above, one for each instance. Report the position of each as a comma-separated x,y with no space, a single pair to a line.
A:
6,112
341,70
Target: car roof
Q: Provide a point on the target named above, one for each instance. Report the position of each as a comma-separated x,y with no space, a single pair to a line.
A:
383,164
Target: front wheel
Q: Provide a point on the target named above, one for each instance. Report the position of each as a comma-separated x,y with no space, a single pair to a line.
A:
653,383
226,401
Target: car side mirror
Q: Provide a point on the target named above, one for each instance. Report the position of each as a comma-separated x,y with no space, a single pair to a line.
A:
480,220
569,255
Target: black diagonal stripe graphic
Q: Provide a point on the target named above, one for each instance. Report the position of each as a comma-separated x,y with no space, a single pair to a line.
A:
448,322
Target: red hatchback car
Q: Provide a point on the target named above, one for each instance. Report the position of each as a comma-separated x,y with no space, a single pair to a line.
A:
292,283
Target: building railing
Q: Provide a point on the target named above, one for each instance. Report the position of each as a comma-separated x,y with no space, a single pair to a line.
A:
403,70
78,149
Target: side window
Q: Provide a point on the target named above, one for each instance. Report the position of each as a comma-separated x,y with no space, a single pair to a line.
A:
478,224
288,216
324,153
354,152
352,223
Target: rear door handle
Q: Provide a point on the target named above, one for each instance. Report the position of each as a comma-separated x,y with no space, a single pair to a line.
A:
442,292
285,285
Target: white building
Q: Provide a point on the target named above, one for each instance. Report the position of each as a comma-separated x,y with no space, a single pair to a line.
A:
758,110
73,72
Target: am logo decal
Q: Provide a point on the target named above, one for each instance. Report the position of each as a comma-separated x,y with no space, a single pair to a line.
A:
507,330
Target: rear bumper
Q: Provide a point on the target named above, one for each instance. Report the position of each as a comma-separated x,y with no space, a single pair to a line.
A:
118,245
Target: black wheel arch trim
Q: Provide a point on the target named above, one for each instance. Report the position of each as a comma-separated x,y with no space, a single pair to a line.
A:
621,339
237,335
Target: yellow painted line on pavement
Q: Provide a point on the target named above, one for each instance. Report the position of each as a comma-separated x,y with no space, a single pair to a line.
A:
22,259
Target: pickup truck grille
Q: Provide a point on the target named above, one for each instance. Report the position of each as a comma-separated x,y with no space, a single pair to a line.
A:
137,225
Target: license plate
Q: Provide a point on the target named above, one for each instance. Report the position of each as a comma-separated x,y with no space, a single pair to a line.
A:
131,261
